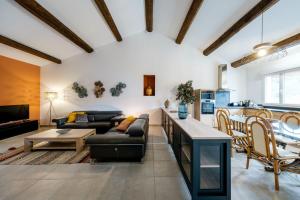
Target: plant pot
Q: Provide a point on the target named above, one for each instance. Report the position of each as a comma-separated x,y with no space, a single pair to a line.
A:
182,111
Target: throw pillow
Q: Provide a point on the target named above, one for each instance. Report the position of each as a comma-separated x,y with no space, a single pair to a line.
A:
123,126
72,116
81,118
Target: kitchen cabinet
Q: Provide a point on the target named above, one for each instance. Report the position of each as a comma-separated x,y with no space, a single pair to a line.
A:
203,155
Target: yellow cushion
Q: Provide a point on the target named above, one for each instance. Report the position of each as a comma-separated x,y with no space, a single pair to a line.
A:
125,123
72,116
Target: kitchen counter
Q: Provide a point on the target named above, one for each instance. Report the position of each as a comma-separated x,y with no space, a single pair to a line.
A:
203,155
196,129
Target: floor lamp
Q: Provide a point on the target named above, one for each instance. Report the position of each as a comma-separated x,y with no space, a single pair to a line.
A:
50,96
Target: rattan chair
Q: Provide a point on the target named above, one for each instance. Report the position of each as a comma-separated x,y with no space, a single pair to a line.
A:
291,118
239,139
262,147
264,113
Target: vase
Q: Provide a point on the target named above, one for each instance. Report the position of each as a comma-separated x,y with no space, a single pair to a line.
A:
182,111
149,91
167,103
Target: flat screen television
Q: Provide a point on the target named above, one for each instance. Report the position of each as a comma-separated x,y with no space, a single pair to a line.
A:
14,112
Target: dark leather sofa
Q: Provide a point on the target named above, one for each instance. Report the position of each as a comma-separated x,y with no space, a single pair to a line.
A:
102,121
115,145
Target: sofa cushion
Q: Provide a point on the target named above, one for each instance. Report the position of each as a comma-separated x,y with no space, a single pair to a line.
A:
103,117
81,118
74,125
72,116
137,128
91,118
98,124
144,116
123,126
114,138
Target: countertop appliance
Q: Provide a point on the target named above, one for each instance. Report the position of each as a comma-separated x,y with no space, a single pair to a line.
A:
207,106
207,102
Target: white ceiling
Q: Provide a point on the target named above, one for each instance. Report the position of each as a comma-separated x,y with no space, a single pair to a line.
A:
83,18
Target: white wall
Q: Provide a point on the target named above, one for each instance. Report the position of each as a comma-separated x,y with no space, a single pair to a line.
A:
128,61
257,70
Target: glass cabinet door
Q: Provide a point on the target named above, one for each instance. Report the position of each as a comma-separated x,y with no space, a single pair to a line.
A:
171,132
211,168
186,157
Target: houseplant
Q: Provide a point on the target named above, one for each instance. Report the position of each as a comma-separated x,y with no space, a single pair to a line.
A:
185,95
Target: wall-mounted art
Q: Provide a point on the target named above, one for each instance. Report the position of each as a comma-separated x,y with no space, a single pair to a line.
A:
80,90
116,91
99,89
149,85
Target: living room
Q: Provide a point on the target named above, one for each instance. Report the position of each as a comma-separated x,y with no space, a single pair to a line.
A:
148,99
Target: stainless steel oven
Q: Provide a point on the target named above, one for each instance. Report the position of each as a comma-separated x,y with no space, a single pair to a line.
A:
207,106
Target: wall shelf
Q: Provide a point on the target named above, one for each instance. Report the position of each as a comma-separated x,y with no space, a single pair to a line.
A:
149,85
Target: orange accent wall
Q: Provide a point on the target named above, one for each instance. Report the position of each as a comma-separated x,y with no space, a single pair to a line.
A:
20,84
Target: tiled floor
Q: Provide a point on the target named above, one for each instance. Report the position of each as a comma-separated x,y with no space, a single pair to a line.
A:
157,178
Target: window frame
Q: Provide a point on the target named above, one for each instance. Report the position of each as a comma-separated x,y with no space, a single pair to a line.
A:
281,88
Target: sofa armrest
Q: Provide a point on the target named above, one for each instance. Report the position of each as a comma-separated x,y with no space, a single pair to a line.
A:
60,121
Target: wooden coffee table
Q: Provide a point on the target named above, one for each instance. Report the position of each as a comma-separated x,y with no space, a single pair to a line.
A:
73,139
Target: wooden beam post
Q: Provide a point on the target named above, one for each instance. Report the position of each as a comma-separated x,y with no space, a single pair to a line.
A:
108,18
262,6
283,44
149,15
22,47
40,12
194,8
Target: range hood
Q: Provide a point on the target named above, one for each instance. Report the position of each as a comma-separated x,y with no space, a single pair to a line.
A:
222,78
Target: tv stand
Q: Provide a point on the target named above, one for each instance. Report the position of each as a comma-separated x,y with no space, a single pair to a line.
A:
17,128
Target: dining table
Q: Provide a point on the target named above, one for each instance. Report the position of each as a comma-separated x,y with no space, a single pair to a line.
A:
285,134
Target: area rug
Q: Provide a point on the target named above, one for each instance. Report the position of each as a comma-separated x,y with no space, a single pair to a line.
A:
17,156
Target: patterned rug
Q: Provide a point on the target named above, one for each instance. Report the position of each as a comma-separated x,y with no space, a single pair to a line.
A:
17,156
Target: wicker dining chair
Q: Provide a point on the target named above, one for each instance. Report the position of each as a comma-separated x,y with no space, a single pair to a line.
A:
262,147
265,113
291,118
239,139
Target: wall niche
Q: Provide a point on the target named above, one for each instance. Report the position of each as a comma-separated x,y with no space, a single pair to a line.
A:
149,85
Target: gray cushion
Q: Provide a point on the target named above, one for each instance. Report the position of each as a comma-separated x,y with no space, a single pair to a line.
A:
75,125
103,117
144,116
98,124
114,138
137,128
80,118
91,118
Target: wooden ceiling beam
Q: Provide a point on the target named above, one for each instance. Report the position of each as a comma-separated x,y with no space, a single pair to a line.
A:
194,8
40,12
149,15
262,6
108,18
283,44
22,47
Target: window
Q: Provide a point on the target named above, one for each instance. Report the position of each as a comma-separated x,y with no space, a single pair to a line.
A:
283,87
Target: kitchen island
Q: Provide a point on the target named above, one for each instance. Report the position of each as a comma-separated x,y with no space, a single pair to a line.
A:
203,155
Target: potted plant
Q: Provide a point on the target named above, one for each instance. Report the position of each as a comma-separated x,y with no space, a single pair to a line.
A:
185,95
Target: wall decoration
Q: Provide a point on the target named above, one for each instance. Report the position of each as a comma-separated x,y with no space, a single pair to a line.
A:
80,90
116,91
149,85
99,89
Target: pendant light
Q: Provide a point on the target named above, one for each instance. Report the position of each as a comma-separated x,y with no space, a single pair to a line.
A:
263,48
